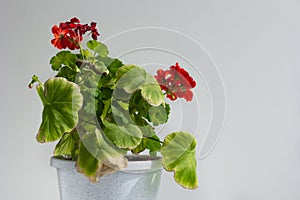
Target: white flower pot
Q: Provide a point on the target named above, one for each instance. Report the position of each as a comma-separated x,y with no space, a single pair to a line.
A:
139,181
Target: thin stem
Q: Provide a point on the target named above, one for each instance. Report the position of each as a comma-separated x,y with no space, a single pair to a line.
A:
40,82
81,51
154,139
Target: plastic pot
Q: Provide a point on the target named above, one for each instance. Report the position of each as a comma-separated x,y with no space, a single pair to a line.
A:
140,180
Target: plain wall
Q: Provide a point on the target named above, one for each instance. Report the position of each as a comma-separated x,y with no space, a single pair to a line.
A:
256,47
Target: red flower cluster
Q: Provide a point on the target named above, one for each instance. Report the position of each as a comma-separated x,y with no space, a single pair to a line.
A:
69,34
176,82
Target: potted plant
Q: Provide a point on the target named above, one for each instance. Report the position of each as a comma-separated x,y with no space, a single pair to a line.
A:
103,113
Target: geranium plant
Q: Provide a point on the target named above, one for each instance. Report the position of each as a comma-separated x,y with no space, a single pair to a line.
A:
99,109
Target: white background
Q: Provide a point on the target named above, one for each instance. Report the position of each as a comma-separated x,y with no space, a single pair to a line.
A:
256,47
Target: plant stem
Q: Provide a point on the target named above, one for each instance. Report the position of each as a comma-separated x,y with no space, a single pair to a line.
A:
81,51
154,139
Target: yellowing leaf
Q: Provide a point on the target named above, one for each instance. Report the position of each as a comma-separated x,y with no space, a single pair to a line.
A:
178,153
97,156
132,78
62,100
128,136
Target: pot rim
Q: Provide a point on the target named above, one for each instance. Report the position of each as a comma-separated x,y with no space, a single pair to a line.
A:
136,163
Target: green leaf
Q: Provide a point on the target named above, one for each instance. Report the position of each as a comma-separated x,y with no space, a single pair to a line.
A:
66,146
158,115
100,48
141,147
147,130
64,58
90,103
106,60
121,95
139,108
88,164
90,107
67,73
89,78
62,100
147,143
151,91
130,78
120,114
92,44
128,136
123,70
100,68
178,153
86,54
106,80
153,144
105,93
97,156
123,105
114,66
106,109
152,95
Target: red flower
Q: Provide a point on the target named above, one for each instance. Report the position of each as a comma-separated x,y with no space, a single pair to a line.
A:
182,75
74,40
172,96
176,82
94,30
61,39
69,34
75,20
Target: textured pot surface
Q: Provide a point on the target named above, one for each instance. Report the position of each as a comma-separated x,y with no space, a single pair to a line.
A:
139,181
